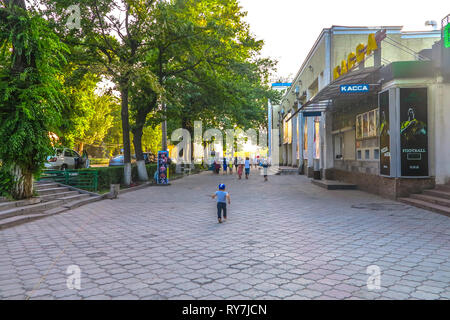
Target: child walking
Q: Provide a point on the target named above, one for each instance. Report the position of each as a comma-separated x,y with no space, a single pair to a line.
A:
240,169
222,198
247,167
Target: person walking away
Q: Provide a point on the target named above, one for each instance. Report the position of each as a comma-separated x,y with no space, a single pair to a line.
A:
265,168
247,167
225,168
222,198
240,170
216,166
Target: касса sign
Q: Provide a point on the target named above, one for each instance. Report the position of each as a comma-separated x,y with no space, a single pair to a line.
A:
354,88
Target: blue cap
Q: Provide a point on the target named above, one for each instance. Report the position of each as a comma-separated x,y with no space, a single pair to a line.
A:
221,186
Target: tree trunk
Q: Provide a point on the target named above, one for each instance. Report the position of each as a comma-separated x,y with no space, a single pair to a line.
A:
137,141
23,183
80,148
126,133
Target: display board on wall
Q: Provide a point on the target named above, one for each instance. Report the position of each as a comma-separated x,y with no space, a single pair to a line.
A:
163,167
366,124
414,132
385,140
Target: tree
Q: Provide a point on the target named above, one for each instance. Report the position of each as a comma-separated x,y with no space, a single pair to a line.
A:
113,34
30,92
89,113
205,59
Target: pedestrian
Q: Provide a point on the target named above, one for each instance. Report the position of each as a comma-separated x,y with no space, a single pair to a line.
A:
225,168
247,167
265,168
222,198
216,166
240,170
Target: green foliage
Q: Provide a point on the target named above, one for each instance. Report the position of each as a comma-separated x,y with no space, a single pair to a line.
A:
30,88
6,182
88,115
114,175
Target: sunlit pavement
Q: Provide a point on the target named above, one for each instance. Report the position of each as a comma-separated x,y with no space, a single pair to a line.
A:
285,239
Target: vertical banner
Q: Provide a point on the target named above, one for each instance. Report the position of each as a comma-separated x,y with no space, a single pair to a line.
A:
163,167
414,131
385,135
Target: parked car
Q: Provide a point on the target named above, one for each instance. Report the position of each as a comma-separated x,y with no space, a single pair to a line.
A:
119,160
63,159
149,157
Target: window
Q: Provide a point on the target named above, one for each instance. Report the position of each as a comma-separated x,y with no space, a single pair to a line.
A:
359,154
366,124
367,154
376,154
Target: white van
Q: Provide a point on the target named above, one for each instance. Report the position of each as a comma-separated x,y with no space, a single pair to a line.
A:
63,159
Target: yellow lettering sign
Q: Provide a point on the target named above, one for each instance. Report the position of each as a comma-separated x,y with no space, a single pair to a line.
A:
351,60
360,52
337,72
372,44
344,69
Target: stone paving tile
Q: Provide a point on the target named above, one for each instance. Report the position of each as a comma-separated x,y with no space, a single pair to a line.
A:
154,244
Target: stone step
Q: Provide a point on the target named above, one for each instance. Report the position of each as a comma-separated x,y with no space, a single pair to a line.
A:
426,205
44,192
45,185
20,203
53,210
72,198
334,185
437,200
18,220
443,187
82,202
34,208
437,193
56,196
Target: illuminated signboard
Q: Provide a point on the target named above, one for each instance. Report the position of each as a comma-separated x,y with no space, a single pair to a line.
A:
355,88
362,52
447,36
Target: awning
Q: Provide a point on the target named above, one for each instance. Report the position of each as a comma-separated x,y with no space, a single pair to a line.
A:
324,99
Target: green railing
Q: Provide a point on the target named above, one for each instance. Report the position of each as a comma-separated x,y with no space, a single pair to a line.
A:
81,179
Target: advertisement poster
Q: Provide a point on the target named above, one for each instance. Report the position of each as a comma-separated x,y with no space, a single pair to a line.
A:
372,124
414,131
365,125
385,135
359,127
163,167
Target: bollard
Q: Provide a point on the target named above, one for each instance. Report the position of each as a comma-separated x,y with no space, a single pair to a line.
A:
316,169
114,191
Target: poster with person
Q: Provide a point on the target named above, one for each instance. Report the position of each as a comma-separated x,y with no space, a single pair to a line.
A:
414,132
385,135
163,167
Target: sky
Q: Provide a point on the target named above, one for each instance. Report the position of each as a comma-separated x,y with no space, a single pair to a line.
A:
289,28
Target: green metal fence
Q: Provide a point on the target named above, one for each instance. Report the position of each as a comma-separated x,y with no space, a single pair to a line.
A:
81,179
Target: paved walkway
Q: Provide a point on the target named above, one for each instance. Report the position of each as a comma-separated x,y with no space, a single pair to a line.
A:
285,239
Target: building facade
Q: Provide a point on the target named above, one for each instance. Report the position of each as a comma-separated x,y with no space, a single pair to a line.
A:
338,133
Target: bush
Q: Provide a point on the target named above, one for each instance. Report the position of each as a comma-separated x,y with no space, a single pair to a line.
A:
6,182
114,175
98,161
